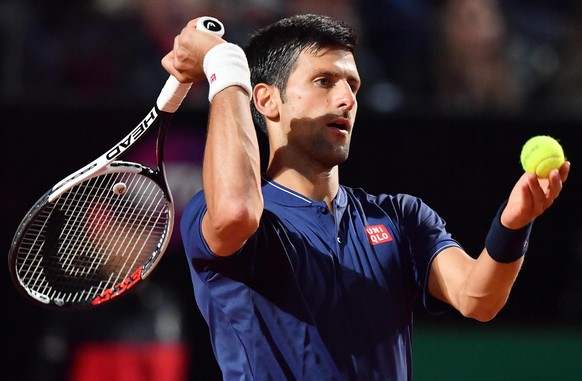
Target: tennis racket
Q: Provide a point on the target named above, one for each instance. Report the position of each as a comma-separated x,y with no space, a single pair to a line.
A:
104,228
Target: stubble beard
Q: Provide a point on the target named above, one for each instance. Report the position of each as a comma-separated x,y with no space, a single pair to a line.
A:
328,154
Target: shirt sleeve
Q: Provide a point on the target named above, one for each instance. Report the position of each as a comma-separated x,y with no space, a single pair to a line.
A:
427,236
190,228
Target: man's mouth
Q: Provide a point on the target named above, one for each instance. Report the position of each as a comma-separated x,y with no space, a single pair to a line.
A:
342,124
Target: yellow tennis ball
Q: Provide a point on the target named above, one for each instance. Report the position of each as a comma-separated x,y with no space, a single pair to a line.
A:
541,154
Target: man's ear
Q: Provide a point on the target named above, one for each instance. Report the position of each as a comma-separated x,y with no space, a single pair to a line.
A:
265,98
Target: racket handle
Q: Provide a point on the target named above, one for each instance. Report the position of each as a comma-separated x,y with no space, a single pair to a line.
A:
174,92
172,95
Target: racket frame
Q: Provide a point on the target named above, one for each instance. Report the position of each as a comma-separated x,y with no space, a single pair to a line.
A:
161,114
168,101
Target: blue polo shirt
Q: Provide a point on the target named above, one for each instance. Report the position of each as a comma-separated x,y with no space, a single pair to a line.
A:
316,296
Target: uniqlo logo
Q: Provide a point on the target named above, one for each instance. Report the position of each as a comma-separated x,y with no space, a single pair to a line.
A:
213,78
378,234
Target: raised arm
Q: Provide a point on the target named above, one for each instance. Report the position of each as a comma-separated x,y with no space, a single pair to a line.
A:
480,287
231,167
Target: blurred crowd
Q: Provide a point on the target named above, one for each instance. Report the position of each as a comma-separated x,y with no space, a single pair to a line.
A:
444,56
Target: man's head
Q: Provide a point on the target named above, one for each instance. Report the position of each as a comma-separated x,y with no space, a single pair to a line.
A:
273,51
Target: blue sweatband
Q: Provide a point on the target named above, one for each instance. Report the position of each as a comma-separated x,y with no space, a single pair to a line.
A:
505,245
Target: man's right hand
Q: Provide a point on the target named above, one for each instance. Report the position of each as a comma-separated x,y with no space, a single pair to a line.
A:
187,56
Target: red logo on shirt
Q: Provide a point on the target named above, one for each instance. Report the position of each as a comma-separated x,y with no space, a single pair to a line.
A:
378,234
212,78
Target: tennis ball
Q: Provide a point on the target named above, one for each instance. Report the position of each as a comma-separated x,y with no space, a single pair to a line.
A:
541,154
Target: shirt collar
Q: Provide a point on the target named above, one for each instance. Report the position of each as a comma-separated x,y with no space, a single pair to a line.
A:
282,195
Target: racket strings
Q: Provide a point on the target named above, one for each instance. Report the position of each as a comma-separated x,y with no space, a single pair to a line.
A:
141,222
104,237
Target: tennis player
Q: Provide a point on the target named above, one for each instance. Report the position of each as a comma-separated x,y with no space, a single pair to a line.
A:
297,276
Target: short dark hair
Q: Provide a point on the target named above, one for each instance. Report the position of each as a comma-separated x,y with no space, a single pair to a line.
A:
273,51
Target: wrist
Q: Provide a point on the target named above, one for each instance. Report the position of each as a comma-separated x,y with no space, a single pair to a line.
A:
506,245
226,65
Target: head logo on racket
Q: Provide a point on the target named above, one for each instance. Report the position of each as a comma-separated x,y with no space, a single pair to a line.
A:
211,25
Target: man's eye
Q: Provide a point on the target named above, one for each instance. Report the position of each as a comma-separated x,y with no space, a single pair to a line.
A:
323,81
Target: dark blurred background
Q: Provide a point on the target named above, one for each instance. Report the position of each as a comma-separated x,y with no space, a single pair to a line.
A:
452,89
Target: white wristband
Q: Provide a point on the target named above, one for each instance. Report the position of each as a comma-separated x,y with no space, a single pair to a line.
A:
226,65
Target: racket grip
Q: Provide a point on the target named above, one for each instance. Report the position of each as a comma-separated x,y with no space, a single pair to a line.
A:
172,95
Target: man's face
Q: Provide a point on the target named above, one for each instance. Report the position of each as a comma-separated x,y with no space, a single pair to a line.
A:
320,106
